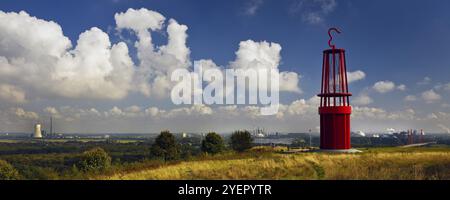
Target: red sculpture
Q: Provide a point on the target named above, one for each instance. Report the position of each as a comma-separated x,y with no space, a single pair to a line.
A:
335,106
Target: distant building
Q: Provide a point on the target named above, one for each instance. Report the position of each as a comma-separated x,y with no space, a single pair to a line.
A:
37,131
390,130
259,133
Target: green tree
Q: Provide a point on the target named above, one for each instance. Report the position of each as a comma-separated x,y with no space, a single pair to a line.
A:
165,146
95,159
241,141
8,172
213,143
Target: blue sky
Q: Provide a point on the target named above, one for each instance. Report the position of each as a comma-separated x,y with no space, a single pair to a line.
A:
404,42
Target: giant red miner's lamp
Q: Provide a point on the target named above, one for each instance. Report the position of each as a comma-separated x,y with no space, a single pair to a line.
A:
335,106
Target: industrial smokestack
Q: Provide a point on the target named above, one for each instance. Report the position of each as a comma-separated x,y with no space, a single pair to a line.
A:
51,125
421,135
37,131
409,136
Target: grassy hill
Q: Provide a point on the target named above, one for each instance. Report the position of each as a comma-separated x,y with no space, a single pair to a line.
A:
265,163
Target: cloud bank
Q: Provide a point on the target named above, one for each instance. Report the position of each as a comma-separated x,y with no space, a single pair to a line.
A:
47,63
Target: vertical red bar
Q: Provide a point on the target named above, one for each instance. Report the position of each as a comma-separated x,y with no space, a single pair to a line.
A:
341,75
347,132
331,131
334,75
322,83
346,83
328,79
349,140
327,84
321,132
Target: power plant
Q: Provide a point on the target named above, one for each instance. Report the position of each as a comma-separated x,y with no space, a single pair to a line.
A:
335,106
412,134
37,131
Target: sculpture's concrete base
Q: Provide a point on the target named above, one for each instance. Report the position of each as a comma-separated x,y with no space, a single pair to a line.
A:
338,150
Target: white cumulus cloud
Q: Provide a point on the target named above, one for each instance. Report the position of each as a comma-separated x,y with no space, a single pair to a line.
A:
265,55
425,81
384,86
355,76
21,113
430,96
401,87
11,93
410,98
35,55
156,64
313,11
362,99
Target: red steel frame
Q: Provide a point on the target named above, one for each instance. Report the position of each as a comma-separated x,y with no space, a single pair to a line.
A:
335,109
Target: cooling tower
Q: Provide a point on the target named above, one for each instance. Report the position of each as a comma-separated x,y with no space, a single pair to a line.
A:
37,131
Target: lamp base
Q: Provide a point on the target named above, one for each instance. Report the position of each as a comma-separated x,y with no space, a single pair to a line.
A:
338,150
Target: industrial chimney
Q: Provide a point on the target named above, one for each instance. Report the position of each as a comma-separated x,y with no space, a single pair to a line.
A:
37,131
335,106
421,135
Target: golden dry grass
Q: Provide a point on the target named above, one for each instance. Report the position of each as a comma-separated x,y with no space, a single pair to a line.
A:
310,166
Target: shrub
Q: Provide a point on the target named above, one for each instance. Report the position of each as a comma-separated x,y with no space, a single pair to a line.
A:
241,141
165,146
186,151
94,160
39,173
213,143
8,172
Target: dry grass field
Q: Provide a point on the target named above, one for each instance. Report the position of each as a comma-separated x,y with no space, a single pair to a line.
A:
373,164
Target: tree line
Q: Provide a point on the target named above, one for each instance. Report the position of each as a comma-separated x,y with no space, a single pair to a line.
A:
167,148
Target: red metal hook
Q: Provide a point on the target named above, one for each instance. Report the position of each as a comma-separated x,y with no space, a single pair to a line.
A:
331,36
